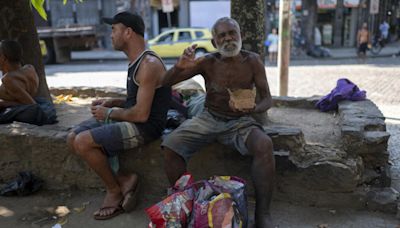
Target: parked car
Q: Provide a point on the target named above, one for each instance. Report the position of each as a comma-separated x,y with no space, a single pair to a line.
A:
172,43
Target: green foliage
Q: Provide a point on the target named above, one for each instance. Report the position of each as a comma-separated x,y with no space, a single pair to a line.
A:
38,5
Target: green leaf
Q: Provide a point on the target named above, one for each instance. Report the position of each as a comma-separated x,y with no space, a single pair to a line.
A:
65,2
38,5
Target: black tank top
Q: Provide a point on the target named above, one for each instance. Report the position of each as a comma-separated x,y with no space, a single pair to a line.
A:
153,128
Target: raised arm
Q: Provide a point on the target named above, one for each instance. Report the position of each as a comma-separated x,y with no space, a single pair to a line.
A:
186,67
261,83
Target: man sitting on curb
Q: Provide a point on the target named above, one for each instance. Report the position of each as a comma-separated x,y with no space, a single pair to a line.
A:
20,82
138,119
230,69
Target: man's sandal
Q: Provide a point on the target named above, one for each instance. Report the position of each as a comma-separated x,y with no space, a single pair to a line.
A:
118,210
130,199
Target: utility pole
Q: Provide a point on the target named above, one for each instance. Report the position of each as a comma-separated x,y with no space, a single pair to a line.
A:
284,46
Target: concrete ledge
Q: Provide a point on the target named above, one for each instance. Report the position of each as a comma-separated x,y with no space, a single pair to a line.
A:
43,150
312,174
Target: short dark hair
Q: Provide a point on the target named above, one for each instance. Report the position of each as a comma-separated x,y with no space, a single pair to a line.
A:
12,50
133,21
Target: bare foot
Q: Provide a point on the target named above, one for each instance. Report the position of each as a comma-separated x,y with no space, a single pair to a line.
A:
127,183
264,221
111,204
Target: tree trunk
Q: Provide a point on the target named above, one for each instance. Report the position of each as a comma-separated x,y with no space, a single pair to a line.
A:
16,23
308,21
250,16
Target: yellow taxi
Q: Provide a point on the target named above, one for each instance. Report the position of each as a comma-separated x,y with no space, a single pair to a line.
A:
172,43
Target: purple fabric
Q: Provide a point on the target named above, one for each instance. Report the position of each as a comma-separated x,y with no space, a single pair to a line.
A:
344,90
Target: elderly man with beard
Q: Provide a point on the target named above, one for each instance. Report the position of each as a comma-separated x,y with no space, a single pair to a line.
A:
227,70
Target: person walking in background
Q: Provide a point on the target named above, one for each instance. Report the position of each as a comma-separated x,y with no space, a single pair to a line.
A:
384,29
272,41
362,42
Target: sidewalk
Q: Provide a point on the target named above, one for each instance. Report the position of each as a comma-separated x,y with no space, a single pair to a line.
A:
337,53
344,53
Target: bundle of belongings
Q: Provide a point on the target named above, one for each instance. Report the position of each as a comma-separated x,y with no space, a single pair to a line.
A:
344,90
217,202
43,112
24,184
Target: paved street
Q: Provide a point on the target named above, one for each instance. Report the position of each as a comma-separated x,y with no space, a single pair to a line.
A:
379,76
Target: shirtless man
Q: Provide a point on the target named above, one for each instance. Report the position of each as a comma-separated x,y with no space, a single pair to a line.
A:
19,82
230,68
362,42
130,122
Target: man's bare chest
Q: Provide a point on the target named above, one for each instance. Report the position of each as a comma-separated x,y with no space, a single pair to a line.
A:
231,76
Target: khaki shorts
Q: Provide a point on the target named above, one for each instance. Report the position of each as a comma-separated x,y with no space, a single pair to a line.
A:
205,128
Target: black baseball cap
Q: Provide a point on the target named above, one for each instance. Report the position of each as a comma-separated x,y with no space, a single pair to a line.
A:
134,21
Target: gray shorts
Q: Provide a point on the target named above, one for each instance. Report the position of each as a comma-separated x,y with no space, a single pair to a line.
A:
205,128
114,137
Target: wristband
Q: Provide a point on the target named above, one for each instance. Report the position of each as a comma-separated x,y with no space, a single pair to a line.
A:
109,111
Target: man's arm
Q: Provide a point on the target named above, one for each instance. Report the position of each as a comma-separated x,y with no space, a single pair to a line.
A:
149,77
186,67
6,104
109,103
261,83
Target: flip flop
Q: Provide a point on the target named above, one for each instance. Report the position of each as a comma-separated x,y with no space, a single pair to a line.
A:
130,199
118,210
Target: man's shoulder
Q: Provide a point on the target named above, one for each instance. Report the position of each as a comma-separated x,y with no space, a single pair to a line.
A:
152,59
152,63
24,71
28,68
249,55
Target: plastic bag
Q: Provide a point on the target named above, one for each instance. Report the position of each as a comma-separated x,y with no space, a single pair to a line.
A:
221,202
217,203
25,184
175,210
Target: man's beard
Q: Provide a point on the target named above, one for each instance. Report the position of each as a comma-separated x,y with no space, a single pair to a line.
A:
230,48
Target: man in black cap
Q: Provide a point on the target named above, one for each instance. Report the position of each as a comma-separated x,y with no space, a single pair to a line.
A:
122,124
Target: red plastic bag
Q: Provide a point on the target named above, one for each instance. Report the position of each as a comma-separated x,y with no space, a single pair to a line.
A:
175,210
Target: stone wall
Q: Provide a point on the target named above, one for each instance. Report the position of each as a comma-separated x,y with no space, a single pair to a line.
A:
352,174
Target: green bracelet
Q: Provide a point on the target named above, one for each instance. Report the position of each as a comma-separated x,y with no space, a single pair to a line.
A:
108,120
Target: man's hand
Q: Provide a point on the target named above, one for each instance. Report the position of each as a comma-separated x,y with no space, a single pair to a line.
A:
103,102
187,59
99,112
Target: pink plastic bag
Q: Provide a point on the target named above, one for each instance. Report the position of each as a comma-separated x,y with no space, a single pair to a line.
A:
217,204
175,210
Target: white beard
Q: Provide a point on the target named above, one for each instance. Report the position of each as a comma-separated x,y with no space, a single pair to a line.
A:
230,52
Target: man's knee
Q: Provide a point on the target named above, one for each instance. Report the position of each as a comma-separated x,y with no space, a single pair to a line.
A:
260,144
71,140
83,142
170,155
